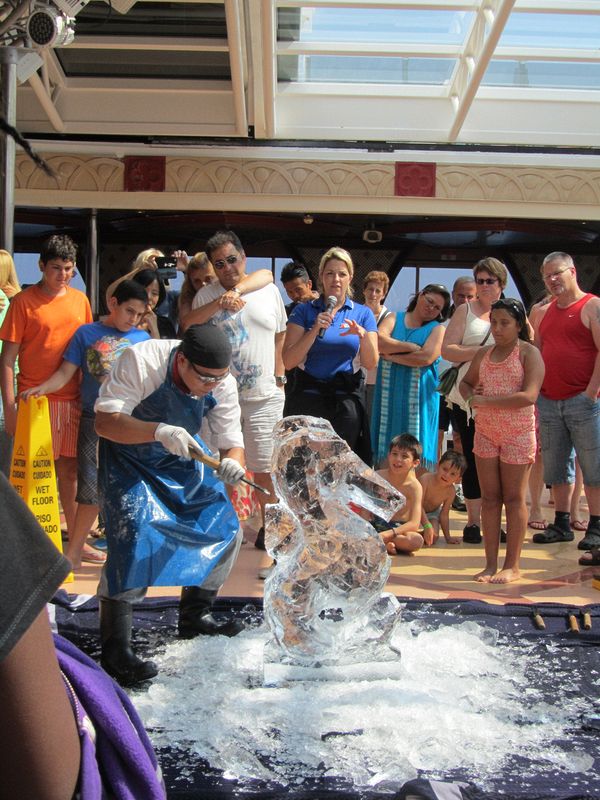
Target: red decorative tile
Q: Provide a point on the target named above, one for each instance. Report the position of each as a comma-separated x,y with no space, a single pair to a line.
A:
144,173
414,179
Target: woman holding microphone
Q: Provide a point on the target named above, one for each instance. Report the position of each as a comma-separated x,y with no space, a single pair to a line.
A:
329,339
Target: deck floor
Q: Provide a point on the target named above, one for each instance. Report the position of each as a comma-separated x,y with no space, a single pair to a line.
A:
550,573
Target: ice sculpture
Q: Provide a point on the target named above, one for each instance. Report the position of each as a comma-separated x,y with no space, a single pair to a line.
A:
323,600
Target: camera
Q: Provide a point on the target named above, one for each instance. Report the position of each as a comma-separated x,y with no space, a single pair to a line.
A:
167,267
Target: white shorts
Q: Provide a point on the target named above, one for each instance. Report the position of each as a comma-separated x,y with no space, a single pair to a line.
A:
259,417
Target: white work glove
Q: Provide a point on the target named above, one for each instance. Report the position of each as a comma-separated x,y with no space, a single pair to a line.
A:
176,440
230,471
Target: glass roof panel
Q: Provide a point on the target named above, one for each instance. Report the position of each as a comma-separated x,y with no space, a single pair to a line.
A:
356,69
570,31
398,26
206,20
542,75
177,65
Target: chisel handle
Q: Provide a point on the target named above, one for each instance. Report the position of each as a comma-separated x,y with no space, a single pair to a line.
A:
538,620
587,620
214,463
573,624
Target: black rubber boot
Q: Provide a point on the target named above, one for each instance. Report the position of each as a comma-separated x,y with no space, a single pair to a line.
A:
195,615
118,659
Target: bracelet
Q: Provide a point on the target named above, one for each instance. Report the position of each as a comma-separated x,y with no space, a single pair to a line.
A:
427,525
236,290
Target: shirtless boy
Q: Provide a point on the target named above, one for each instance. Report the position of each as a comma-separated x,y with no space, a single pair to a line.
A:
404,456
438,496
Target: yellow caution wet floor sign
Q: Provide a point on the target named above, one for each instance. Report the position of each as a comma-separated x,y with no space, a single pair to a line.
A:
32,472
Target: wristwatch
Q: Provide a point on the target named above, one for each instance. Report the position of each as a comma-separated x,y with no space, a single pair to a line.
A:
280,380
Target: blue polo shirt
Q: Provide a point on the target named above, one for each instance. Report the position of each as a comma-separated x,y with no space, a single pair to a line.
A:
333,353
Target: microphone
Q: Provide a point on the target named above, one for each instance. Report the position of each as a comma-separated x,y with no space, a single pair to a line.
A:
331,304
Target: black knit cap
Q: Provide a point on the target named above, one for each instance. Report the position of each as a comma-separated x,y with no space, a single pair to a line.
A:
207,346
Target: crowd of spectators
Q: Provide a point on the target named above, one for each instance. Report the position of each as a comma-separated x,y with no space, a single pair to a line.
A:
371,370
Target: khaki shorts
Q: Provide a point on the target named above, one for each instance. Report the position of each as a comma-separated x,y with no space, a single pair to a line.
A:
259,417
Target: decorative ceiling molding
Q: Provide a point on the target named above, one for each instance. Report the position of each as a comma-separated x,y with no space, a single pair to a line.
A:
295,185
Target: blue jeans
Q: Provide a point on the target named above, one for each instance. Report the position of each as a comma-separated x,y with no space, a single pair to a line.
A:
568,424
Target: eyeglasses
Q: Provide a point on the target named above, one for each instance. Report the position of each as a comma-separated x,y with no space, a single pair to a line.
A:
231,260
554,275
486,281
210,379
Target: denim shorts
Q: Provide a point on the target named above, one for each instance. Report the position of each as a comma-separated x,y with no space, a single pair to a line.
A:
568,424
87,461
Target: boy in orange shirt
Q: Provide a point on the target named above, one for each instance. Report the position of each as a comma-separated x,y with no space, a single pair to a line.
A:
39,325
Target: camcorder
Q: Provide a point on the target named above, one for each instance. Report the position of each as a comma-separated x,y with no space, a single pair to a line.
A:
167,267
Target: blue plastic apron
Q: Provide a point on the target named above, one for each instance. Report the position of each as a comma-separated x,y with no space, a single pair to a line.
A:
168,519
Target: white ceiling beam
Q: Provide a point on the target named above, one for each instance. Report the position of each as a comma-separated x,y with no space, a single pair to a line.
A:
148,43
269,35
236,64
374,49
546,54
257,65
46,103
415,5
558,6
483,38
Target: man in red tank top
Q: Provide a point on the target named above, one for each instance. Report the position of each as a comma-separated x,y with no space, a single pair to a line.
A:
568,405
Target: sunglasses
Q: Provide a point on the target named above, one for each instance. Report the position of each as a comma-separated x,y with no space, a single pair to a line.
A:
486,281
231,260
210,379
508,303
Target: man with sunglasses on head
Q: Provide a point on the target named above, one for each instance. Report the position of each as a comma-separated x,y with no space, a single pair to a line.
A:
568,336
255,324
168,518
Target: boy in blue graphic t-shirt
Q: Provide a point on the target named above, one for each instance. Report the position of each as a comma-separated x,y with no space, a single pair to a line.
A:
94,349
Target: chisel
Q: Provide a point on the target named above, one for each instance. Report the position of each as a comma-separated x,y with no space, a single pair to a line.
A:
215,464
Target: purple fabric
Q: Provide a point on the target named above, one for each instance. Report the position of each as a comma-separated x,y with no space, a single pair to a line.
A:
121,763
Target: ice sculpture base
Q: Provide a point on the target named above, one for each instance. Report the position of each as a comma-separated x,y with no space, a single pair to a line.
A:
381,664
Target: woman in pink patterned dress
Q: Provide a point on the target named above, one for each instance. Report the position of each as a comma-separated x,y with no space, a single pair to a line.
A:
501,387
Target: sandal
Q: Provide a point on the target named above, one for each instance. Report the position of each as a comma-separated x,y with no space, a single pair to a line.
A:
538,524
593,560
92,556
591,538
578,525
553,534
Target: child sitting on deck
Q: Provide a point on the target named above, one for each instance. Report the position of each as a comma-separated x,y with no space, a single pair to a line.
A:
401,535
438,496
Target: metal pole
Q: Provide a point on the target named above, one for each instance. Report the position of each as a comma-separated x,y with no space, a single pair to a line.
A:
8,109
92,276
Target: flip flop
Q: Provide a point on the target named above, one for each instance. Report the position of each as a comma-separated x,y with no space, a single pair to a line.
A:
538,524
593,561
93,558
553,534
578,525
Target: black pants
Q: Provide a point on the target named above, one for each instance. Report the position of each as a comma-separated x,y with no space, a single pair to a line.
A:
466,430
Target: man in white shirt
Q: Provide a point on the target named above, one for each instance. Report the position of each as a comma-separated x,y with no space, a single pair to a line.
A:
255,331
168,519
